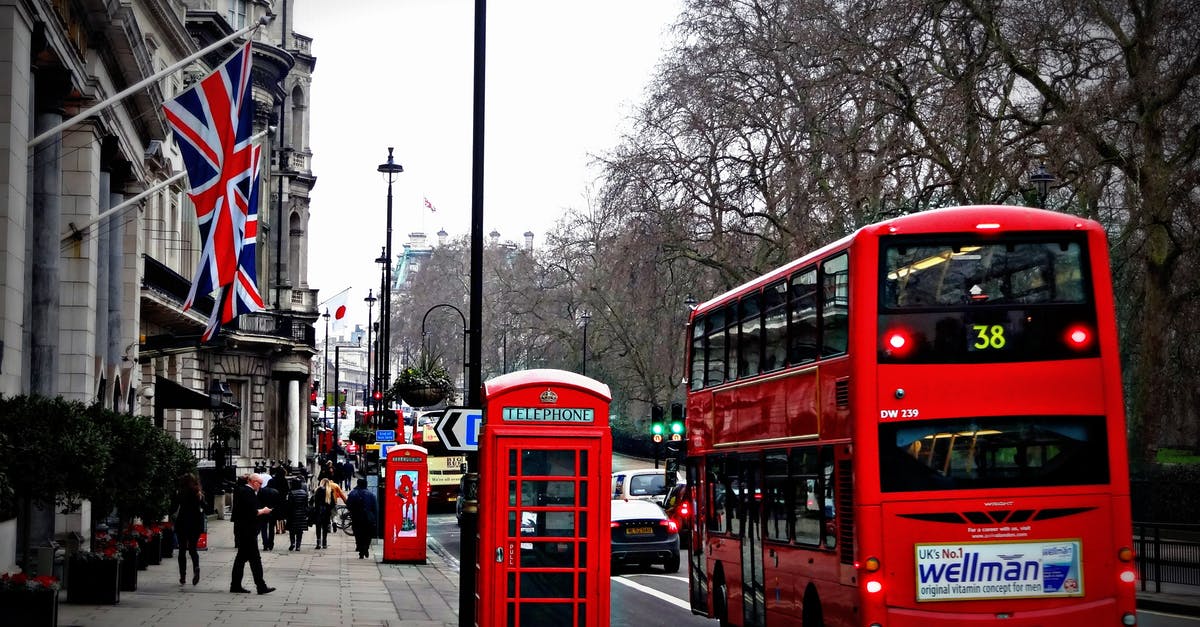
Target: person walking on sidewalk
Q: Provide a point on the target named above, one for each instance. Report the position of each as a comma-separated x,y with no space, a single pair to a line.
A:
324,499
272,498
245,514
189,523
297,520
279,483
363,513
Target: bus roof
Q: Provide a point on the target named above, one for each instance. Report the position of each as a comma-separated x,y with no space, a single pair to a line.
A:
960,219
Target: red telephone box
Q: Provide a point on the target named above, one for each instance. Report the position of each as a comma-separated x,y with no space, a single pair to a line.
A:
407,479
544,538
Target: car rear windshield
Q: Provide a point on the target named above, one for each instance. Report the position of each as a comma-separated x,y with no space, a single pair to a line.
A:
1002,452
647,485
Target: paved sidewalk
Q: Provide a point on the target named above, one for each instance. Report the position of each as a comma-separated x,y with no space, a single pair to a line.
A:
1174,599
324,588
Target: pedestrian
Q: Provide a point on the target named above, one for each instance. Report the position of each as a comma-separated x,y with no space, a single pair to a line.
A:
246,514
279,482
297,520
272,498
363,516
347,473
326,471
189,524
324,500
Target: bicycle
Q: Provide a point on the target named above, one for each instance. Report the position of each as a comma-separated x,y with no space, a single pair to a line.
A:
341,519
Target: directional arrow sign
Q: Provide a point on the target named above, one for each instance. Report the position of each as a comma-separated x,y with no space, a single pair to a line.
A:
458,428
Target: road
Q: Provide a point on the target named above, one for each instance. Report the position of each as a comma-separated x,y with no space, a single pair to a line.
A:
649,597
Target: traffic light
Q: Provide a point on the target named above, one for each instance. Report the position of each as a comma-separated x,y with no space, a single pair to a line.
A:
377,395
657,430
676,422
314,392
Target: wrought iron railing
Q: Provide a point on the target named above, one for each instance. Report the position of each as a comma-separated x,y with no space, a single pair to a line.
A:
1167,553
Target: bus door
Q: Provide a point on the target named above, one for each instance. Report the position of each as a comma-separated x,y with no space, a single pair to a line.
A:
544,534
753,587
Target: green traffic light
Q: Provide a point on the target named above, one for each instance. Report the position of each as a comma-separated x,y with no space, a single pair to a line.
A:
676,427
656,428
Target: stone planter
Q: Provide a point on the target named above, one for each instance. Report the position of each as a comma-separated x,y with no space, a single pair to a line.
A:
152,549
168,543
35,608
94,581
129,570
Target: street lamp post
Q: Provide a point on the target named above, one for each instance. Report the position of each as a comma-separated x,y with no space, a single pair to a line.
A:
380,385
337,406
370,400
1042,179
585,317
325,396
391,169
466,332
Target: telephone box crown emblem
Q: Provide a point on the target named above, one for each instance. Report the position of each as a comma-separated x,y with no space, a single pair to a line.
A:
549,396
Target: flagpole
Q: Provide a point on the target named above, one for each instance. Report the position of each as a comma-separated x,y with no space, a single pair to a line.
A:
86,113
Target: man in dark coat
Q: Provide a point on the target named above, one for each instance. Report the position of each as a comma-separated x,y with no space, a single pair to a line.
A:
363,516
268,497
246,515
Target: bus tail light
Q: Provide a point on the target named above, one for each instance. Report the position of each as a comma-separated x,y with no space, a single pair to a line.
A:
683,511
874,586
1125,554
1079,336
897,342
871,564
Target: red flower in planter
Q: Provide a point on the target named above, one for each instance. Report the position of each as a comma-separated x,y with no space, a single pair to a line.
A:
20,581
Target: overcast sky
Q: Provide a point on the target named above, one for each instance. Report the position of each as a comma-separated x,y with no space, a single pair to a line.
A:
563,76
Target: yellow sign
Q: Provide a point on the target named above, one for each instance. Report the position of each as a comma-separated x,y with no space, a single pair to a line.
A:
372,447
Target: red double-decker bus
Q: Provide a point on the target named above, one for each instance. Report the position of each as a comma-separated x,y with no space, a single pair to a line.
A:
919,424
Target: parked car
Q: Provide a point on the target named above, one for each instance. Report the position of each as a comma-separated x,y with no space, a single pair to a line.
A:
679,507
643,534
643,484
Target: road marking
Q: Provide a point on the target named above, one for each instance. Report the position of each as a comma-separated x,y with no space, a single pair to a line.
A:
673,577
654,593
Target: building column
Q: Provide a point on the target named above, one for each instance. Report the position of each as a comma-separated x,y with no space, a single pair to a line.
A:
79,258
16,90
114,258
45,222
103,237
295,430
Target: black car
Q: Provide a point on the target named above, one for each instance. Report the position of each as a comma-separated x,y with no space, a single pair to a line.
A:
679,507
642,533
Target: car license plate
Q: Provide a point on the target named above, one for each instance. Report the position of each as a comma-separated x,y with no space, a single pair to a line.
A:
639,531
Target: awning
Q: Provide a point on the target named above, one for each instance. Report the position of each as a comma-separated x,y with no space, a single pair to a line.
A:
171,395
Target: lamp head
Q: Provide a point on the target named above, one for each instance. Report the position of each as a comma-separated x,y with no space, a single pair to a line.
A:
391,167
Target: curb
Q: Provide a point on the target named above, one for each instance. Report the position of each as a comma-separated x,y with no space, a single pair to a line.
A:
1171,607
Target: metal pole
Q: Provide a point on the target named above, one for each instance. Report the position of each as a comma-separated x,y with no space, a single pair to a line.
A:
586,320
468,548
370,300
337,407
391,168
157,76
325,397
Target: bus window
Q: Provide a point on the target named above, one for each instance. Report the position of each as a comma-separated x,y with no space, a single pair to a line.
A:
718,513
714,327
698,354
731,342
803,325
806,502
829,504
750,336
774,326
835,306
993,453
775,495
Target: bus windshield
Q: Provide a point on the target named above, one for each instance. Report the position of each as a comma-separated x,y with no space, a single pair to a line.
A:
969,271
1011,452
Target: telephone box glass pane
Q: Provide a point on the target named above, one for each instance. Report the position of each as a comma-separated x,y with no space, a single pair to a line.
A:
583,501
583,555
582,589
512,462
551,463
512,585
547,555
547,493
583,463
512,524
548,524
538,585
512,493
546,613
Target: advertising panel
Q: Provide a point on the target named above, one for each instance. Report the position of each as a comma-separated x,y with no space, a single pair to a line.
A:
955,572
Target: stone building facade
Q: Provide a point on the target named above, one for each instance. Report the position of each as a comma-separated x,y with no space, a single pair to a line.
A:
98,239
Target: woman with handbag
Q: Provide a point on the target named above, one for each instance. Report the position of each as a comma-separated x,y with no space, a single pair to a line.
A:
325,498
189,523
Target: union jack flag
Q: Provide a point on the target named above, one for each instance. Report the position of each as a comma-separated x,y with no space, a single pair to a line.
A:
212,122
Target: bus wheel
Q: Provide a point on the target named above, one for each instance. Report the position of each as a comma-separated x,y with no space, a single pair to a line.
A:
721,600
812,609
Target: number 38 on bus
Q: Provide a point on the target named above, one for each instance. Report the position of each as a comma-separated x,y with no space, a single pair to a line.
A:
919,424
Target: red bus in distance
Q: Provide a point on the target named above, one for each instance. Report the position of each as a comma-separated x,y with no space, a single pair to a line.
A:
920,424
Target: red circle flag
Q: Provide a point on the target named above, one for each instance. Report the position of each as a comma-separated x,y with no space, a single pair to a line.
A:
340,313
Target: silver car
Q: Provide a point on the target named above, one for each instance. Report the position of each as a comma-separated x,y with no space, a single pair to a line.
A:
642,533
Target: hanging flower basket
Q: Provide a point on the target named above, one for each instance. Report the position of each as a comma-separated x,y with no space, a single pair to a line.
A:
424,396
425,383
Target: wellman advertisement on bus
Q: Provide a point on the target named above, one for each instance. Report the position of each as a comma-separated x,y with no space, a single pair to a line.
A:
955,572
